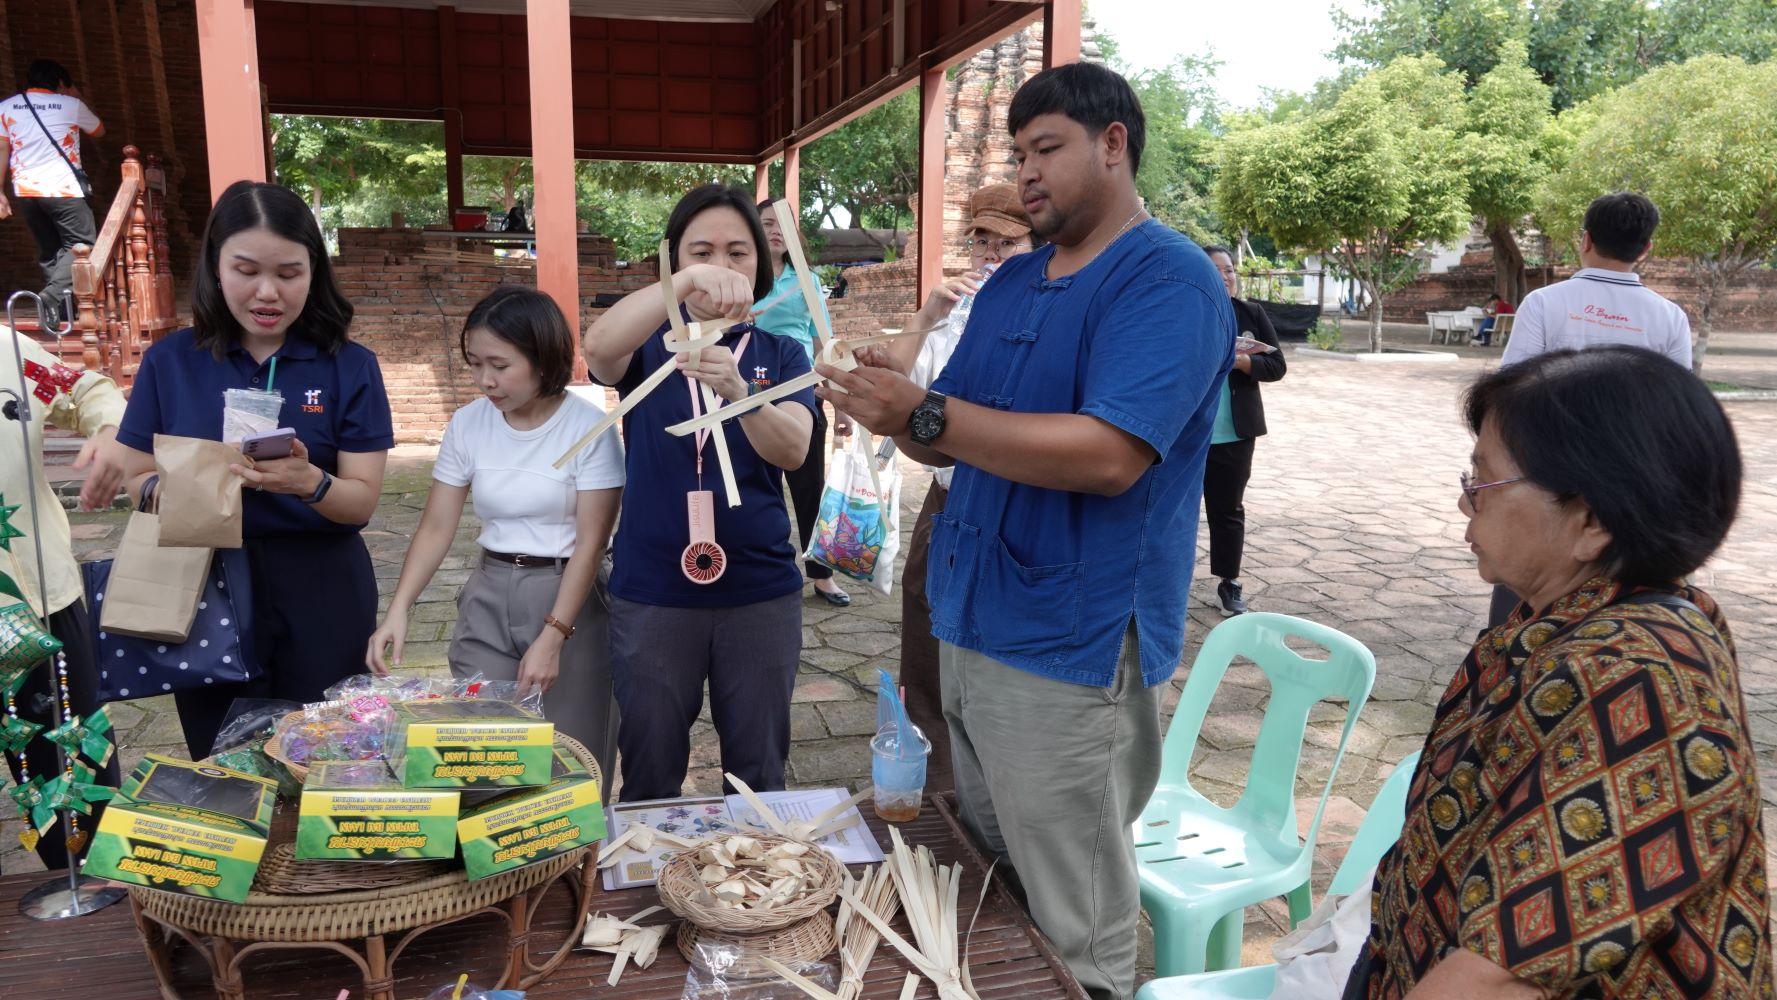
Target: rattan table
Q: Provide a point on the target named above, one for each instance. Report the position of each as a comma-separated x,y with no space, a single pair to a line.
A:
371,927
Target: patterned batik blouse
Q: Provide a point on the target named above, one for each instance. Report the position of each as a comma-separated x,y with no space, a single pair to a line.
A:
1586,813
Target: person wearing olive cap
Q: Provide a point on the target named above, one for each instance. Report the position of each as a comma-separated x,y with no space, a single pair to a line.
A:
998,230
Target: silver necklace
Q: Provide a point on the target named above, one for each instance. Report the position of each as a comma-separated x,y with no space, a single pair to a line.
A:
1127,223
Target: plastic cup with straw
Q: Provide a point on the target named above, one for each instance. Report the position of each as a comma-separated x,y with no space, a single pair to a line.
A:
898,755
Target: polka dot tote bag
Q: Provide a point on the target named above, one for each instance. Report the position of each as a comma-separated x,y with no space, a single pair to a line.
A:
217,650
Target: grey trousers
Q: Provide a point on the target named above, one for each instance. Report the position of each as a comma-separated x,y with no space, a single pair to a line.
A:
500,611
1050,776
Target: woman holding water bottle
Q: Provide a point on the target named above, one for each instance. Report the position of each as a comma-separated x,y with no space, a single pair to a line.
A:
998,230
268,316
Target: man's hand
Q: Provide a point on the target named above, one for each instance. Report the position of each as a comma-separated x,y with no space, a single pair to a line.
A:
105,455
880,399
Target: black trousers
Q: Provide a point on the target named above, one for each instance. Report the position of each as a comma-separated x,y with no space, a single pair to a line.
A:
806,484
58,225
73,626
1224,504
314,607
661,660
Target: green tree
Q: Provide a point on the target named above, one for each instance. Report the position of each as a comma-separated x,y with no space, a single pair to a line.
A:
1177,167
1700,139
356,171
1369,181
1508,111
1582,48
1467,35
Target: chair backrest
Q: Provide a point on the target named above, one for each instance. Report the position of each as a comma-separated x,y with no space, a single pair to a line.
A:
1379,830
1297,684
1502,323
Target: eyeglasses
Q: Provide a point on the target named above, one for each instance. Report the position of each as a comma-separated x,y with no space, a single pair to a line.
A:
1470,487
1005,248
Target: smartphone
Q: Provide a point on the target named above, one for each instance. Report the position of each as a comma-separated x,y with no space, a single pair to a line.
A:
269,444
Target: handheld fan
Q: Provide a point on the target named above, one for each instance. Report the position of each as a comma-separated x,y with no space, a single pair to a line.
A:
703,560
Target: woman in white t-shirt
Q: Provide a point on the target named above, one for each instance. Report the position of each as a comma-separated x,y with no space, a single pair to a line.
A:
531,611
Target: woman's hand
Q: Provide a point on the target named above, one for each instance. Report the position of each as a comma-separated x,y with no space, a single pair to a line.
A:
392,632
714,292
109,462
293,475
716,367
541,663
945,297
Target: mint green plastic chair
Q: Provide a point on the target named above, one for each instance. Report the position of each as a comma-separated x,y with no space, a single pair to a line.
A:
1375,835
1202,865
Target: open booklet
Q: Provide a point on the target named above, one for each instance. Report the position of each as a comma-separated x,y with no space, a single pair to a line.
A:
709,816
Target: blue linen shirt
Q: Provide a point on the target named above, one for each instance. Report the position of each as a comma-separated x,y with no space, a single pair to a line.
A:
661,469
789,317
335,402
1044,580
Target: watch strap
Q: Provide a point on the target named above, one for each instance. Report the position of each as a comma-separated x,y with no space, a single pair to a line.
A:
566,630
321,490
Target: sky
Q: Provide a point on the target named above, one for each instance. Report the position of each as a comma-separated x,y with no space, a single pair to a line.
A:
1279,44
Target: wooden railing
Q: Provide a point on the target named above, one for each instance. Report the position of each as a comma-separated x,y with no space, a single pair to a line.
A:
123,283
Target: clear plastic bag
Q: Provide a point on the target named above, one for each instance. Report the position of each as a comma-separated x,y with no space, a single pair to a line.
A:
246,412
470,991
240,743
723,972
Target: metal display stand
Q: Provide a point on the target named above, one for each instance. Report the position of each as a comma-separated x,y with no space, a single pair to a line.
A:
78,895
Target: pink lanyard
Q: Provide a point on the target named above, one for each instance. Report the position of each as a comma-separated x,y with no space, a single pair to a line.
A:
702,437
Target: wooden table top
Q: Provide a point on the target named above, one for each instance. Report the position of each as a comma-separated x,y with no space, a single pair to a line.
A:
101,955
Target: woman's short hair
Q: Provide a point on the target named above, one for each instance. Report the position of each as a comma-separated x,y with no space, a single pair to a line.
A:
325,317
531,322
1640,440
700,200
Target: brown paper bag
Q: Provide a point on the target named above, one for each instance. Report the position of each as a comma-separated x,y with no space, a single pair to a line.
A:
199,498
153,590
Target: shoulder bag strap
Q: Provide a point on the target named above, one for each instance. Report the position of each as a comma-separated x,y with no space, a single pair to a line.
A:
80,179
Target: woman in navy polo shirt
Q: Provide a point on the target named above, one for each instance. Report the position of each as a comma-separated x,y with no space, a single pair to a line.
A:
263,300
741,632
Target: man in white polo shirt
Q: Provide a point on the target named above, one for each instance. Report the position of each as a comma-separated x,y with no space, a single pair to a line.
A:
1604,303
40,147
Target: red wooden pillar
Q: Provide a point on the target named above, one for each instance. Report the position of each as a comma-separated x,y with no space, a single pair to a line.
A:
930,223
451,91
234,123
761,181
547,24
793,178
1061,32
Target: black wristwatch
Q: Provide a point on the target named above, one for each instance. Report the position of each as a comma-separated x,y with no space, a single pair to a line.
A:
321,490
927,420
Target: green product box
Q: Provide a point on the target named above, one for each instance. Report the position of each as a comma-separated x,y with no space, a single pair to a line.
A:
522,827
469,743
190,828
355,810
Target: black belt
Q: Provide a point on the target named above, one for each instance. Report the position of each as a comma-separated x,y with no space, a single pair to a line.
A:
523,561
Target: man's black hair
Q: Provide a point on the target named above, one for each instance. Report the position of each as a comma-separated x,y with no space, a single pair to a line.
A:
1622,225
1087,93
1666,485
48,74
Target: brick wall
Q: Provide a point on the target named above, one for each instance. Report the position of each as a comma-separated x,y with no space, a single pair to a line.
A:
1751,305
136,63
411,306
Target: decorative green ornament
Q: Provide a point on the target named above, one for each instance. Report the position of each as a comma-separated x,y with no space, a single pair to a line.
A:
23,645
16,733
7,531
34,804
75,789
86,737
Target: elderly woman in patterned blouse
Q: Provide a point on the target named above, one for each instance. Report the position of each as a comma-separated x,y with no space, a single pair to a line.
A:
1585,818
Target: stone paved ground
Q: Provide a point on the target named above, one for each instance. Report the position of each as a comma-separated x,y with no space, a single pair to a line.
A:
1353,523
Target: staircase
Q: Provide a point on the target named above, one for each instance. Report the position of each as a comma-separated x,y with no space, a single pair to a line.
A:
123,283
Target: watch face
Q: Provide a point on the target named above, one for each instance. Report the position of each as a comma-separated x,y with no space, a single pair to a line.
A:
926,423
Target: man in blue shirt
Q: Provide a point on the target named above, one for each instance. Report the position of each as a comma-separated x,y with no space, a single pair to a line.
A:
1077,412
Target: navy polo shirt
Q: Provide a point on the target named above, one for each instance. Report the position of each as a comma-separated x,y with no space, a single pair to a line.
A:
661,469
1044,580
334,402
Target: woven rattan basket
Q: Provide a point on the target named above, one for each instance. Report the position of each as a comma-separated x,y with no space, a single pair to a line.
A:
679,888
794,946
280,874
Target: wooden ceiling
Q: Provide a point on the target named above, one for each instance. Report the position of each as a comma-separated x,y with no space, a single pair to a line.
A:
649,10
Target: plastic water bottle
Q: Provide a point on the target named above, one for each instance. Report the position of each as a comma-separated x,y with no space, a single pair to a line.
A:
959,317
